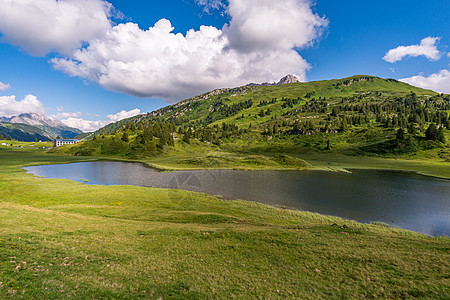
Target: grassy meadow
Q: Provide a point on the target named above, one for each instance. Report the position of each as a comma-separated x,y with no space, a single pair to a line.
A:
62,239
26,145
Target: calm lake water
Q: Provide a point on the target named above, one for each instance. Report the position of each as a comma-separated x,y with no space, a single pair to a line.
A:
402,200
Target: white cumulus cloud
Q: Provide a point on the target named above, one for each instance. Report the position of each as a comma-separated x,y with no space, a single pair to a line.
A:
74,120
124,114
259,44
42,26
66,115
85,125
426,48
9,106
159,63
4,86
272,24
438,82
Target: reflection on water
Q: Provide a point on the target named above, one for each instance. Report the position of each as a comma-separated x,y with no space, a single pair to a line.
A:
402,200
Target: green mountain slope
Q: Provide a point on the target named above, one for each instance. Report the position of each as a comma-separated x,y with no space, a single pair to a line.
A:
63,132
22,132
368,87
357,116
197,108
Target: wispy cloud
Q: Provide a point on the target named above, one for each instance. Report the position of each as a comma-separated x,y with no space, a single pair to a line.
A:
209,5
427,48
65,115
4,86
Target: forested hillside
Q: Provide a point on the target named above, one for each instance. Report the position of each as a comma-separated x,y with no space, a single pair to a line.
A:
360,115
22,132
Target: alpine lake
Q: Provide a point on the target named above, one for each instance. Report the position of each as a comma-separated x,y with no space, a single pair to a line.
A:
404,200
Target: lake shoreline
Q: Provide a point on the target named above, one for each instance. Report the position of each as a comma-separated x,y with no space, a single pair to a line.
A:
312,186
169,240
162,168
312,167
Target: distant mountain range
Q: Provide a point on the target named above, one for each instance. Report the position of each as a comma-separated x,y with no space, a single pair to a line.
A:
31,126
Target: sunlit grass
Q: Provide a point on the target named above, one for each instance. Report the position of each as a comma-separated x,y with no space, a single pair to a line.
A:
64,239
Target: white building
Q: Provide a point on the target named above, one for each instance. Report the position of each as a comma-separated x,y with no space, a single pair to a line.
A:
60,142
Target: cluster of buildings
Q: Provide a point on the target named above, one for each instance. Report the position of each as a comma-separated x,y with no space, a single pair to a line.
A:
61,142
56,142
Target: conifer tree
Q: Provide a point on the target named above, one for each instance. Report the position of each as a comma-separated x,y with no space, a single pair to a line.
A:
431,132
440,135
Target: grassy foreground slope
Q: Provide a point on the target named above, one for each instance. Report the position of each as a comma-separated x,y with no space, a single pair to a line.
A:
62,239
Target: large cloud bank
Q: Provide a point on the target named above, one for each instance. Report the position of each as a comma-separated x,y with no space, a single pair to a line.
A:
43,26
259,44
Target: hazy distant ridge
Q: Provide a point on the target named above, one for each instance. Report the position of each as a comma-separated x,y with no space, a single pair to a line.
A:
50,128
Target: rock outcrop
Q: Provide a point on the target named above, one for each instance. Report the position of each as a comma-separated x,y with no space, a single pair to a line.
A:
288,79
285,80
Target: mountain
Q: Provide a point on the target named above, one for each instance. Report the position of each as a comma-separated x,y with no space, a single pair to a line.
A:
22,132
203,108
285,80
198,109
359,116
51,128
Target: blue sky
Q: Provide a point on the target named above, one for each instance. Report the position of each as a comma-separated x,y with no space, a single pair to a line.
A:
90,62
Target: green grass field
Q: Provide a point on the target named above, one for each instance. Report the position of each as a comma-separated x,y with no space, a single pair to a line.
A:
27,145
62,239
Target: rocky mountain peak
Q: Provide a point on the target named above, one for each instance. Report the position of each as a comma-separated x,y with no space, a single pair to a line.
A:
36,119
288,79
